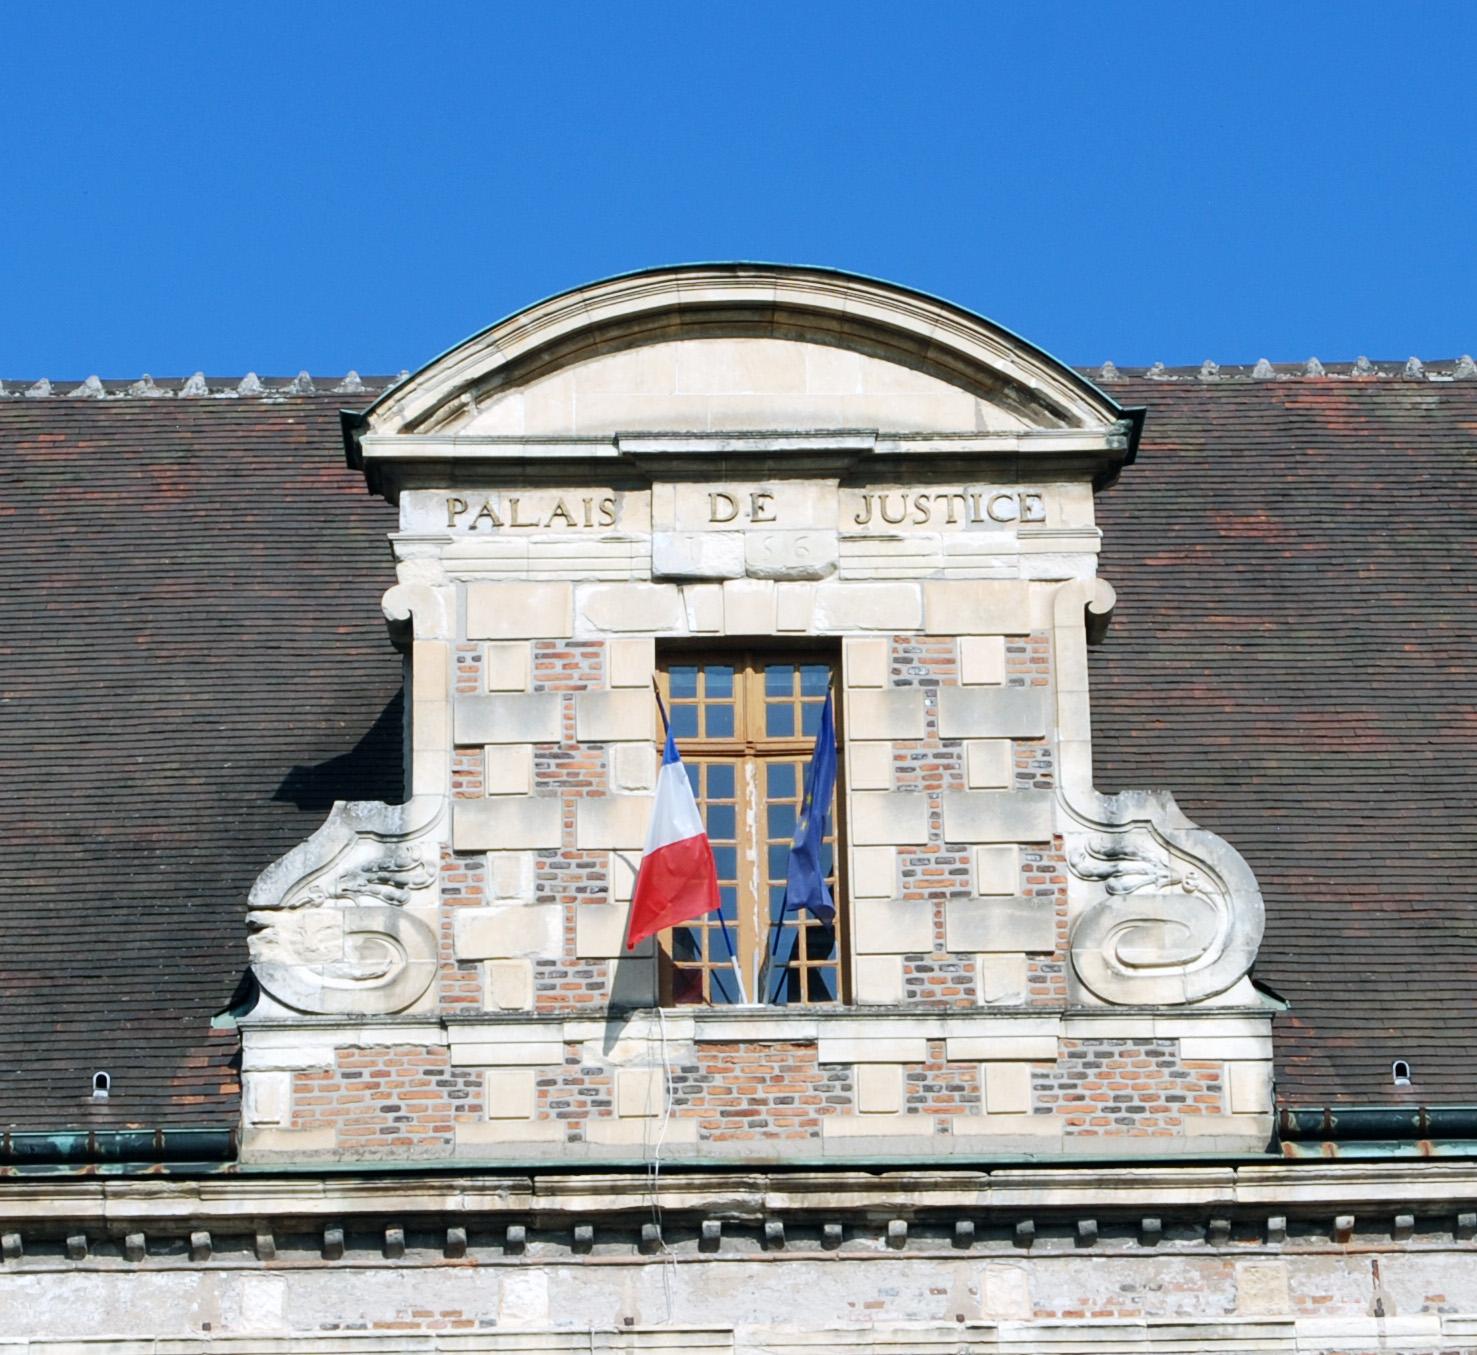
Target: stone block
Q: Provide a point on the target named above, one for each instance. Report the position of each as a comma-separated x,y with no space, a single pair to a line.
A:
498,1047
842,606
1001,1048
890,818
623,867
600,932
782,554
630,661
982,660
992,925
794,604
633,766
508,768
507,823
893,1049
891,713
429,670
632,606
879,1088
508,985
506,666
893,927
977,607
998,815
1007,1088
697,555
607,822
901,1126
865,663
605,717
430,772
748,607
869,765
266,1098
1003,979
430,726
704,608
527,717
511,1093
989,764
520,611
997,870
877,980
510,875
1249,1088
992,712
873,873
499,932
639,1092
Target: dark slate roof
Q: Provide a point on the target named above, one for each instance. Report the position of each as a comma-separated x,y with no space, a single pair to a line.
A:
193,667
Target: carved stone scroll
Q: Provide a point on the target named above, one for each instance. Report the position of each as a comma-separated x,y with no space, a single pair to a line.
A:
334,923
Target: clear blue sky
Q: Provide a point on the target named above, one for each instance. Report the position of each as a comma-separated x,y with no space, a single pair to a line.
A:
326,186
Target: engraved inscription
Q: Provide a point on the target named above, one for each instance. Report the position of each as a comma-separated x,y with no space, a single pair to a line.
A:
523,510
952,507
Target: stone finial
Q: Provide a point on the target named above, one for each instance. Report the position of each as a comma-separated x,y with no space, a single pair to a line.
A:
1157,372
1312,367
404,375
1363,367
195,385
352,384
39,390
251,384
145,386
1262,371
91,389
1465,369
1108,372
3,391
1210,371
1415,368
301,384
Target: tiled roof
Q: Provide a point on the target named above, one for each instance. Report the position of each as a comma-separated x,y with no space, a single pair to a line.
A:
194,668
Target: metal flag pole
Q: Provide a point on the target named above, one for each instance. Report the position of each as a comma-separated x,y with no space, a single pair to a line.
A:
722,921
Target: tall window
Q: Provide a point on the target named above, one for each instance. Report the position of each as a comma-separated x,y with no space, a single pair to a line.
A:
746,726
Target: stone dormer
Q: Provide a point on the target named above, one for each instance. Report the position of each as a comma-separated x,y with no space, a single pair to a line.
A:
746,486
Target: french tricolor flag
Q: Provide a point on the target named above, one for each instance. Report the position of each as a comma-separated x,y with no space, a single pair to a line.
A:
678,879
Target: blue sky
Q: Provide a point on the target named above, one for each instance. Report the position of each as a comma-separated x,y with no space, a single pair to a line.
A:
326,186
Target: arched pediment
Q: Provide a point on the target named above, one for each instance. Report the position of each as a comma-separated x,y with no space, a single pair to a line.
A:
718,346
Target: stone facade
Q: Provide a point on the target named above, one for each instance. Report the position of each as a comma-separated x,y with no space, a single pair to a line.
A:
1027,967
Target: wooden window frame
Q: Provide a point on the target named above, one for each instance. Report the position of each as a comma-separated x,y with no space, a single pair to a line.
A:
747,749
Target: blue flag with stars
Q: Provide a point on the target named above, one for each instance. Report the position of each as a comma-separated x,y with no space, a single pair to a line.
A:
805,881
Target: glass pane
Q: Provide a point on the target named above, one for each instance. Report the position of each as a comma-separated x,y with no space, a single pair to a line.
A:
779,719
810,716
823,984
719,682
694,776
720,722
727,861
683,682
728,910
720,823
724,985
820,941
779,862
684,944
781,781
720,781
814,679
684,722
779,679
782,822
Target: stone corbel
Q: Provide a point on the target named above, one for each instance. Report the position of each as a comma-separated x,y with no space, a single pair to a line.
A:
417,611
1173,913
339,923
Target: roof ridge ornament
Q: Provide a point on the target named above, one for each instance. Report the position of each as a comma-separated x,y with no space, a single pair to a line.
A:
1157,372
301,384
40,389
1312,367
1109,372
1210,370
352,384
195,385
1415,368
91,389
251,384
145,387
1262,371
1363,367
1465,369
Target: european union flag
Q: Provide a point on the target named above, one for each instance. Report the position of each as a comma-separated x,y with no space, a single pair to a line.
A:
805,881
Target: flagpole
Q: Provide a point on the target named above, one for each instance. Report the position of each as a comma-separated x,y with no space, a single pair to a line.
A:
722,921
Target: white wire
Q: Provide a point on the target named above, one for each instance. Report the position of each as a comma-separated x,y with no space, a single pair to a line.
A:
669,1257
